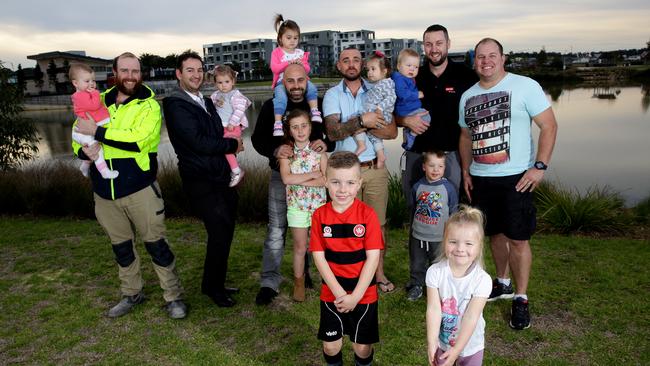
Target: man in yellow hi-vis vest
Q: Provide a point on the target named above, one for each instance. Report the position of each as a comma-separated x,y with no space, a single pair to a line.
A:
132,199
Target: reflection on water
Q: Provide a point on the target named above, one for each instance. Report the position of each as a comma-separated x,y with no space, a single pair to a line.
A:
600,141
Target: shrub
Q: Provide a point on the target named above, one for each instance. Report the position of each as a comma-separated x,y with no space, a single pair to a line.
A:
176,203
598,210
397,212
51,188
642,211
254,192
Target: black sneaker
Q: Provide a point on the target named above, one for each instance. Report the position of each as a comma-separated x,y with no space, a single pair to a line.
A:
414,293
501,291
519,316
265,296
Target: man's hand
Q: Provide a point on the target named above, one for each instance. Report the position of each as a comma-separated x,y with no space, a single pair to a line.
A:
86,126
373,119
531,179
467,185
318,146
91,151
283,152
415,123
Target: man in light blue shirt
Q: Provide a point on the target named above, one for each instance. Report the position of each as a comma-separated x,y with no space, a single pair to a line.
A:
343,111
501,169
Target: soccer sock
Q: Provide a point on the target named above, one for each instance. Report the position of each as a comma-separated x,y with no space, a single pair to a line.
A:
358,361
504,281
336,360
523,296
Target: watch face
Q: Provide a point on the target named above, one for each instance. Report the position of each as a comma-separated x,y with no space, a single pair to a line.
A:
540,165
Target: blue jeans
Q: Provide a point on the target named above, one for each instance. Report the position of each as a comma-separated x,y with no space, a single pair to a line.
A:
280,97
276,234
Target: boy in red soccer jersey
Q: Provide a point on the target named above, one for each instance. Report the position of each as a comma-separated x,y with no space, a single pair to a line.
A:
346,241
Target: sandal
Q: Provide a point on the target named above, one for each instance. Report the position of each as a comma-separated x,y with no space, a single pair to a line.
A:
386,287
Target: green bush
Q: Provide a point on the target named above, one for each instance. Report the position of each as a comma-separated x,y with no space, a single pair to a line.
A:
397,212
52,188
642,211
598,210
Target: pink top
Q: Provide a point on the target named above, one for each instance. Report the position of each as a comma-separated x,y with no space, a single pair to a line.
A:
280,60
90,102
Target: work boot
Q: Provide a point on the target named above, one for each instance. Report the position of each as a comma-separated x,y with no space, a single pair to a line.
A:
126,304
299,288
176,309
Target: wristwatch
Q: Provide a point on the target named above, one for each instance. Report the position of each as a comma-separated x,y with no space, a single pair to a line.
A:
540,165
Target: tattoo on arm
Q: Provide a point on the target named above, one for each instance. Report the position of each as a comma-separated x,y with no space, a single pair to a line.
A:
337,130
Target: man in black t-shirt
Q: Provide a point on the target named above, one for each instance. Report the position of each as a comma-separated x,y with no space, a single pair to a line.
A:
274,148
442,82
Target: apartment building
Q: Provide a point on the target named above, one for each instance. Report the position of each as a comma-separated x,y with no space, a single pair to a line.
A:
253,56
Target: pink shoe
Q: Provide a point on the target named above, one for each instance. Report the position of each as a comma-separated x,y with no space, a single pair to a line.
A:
277,129
316,116
235,178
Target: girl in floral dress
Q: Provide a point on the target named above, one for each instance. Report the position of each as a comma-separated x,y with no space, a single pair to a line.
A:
303,173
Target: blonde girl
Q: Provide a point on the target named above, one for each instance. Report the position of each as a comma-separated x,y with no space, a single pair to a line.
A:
231,105
303,175
287,53
457,290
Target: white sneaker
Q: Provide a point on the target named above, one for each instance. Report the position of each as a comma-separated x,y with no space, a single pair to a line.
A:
235,178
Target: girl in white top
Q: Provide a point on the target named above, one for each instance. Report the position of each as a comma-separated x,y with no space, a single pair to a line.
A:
457,290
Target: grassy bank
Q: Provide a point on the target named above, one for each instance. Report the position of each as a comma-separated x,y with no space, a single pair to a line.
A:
588,302
57,188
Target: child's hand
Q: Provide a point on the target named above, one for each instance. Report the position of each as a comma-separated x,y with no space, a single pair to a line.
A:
345,303
230,128
449,357
431,352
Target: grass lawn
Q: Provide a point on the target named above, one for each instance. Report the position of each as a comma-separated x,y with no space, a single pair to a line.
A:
589,304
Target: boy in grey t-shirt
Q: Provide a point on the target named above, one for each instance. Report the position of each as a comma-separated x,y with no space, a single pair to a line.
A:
433,199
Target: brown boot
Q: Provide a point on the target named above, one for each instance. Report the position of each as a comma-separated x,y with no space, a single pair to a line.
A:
299,288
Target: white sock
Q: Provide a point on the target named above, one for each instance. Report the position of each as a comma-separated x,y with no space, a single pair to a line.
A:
523,296
504,281
236,170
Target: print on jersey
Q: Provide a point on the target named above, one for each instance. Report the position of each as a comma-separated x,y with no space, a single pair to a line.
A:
488,118
428,208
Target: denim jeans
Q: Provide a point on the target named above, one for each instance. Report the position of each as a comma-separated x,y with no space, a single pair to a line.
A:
276,234
280,97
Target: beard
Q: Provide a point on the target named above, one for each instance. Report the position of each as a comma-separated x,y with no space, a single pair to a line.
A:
349,77
119,83
296,94
443,58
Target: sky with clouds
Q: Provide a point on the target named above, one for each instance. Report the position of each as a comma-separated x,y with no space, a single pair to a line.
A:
105,29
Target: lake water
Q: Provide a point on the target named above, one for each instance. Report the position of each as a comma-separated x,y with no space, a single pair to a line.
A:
600,141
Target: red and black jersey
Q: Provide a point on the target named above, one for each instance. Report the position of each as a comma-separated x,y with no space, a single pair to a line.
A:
345,237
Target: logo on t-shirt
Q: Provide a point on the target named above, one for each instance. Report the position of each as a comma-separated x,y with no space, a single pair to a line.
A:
327,232
428,207
450,90
359,230
488,118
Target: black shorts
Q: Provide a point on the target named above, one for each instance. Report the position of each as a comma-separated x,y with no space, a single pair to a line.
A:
361,324
506,211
